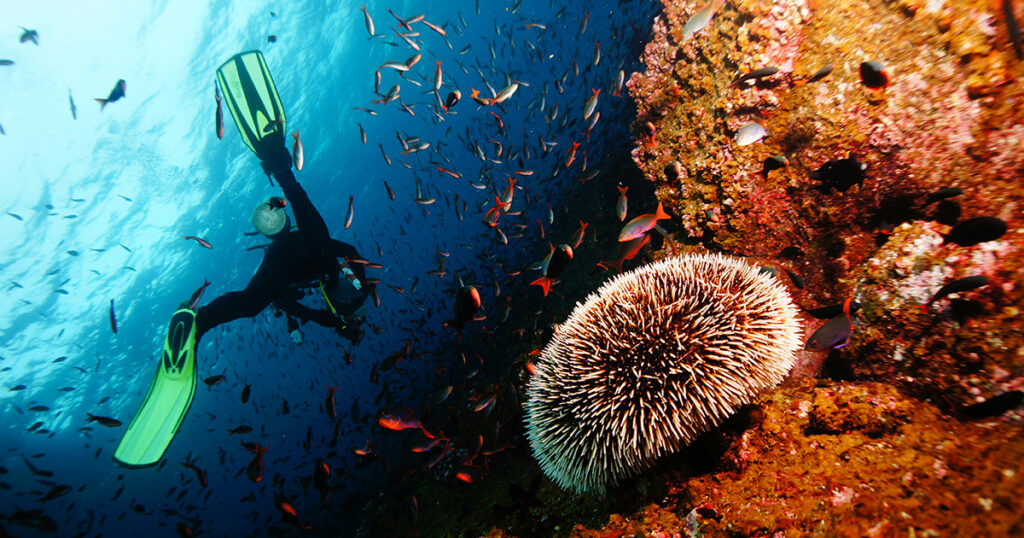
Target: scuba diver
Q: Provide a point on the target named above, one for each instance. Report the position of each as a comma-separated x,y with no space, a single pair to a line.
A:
288,268
294,260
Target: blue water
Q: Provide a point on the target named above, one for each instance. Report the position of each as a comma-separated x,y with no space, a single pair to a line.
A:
95,208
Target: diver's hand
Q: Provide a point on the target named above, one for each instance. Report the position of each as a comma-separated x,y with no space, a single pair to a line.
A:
351,332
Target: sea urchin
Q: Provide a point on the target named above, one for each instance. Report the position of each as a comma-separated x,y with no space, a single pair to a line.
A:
653,359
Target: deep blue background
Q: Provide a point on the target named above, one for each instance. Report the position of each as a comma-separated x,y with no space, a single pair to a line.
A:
120,188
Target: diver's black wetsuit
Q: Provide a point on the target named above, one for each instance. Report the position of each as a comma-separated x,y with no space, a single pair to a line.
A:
293,258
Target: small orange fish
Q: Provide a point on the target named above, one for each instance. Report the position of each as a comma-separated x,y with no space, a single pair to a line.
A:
400,418
577,237
329,402
455,175
627,251
255,468
202,242
200,474
469,474
570,156
365,450
297,159
288,513
621,204
642,224
475,95
426,445
491,217
508,193
591,103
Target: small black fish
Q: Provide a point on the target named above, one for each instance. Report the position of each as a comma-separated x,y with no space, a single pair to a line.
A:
116,94
28,35
214,380
994,406
977,230
946,212
246,392
113,318
831,311
55,491
797,280
821,73
271,38
284,407
942,194
104,421
774,162
790,252
34,426
1013,28
966,283
60,359
15,216
74,109
17,388
38,408
833,334
755,75
840,174
66,389
452,99
873,75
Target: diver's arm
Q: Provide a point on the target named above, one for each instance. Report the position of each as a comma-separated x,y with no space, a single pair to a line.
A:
345,250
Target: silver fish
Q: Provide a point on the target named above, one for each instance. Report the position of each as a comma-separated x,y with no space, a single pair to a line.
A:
351,212
438,76
700,19
750,133
368,20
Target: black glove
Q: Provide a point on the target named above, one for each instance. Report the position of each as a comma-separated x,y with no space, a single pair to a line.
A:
352,332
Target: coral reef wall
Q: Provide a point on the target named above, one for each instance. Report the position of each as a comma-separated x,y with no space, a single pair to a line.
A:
952,116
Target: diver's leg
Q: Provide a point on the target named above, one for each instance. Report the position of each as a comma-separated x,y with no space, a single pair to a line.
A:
272,278
229,307
311,225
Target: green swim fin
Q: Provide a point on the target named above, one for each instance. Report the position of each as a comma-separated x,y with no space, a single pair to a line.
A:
251,96
168,399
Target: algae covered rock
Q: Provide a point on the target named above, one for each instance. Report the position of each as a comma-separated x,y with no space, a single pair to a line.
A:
852,164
